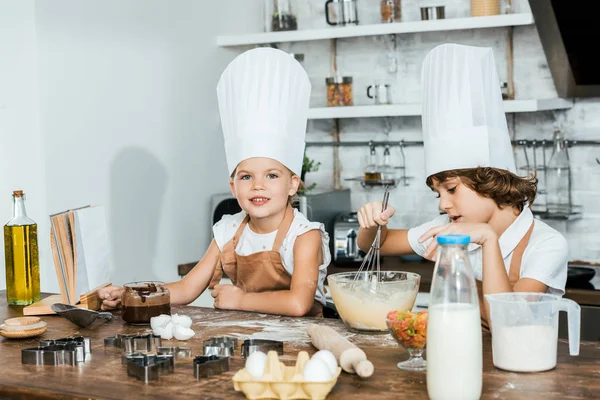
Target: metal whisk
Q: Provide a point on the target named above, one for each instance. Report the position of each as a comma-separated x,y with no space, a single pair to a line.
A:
371,260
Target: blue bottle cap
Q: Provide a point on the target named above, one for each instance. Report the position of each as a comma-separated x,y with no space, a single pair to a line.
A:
453,239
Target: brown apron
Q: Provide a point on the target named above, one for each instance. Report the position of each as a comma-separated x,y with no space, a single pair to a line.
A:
514,273
262,271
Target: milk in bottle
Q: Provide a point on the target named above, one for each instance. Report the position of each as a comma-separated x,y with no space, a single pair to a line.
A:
454,358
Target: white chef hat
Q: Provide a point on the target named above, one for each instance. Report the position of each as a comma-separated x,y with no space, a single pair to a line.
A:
464,123
263,101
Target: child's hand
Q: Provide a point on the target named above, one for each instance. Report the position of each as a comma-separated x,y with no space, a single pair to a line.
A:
110,296
370,215
227,297
479,233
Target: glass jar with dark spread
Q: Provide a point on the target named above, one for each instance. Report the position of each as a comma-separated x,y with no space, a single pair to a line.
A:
144,300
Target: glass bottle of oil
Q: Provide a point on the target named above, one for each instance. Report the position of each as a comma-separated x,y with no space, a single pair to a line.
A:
21,255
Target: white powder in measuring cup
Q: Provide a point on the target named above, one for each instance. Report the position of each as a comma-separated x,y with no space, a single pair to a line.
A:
527,348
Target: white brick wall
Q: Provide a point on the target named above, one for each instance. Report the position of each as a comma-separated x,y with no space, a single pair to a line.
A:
365,59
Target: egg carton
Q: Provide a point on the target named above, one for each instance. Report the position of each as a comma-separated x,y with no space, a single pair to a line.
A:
282,382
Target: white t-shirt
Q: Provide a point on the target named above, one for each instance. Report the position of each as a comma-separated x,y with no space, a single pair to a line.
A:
251,242
545,258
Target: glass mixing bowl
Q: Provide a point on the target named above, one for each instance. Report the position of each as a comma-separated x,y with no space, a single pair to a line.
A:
363,299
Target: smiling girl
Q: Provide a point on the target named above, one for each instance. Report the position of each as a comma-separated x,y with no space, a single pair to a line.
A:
276,259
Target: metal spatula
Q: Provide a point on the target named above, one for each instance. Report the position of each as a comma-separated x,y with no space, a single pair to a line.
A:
79,316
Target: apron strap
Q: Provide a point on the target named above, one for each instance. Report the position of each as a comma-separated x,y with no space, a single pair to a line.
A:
283,229
514,273
239,231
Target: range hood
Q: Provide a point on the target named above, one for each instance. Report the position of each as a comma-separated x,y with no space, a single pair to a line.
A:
570,33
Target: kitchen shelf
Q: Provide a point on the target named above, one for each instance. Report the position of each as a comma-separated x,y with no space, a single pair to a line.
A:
414,109
569,216
392,183
450,24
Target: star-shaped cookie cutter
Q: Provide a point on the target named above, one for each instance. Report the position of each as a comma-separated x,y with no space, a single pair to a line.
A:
205,366
134,343
149,367
64,351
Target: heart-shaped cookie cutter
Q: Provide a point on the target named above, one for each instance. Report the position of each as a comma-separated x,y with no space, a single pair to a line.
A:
205,366
251,345
222,346
149,367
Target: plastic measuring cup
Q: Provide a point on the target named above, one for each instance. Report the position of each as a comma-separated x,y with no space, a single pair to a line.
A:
525,329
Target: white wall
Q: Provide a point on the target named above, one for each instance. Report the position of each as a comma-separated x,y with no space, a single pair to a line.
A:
128,119
21,162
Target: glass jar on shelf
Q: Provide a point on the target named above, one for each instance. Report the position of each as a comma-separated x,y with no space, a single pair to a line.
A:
391,11
558,178
283,17
372,172
339,91
387,170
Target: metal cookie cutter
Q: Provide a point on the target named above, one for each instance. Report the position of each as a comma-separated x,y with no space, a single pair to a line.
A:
205,366
177,352
220,346
134,343
82,346
65,351
251,345
148,367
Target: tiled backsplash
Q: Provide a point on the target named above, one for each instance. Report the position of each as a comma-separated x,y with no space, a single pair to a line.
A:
366,60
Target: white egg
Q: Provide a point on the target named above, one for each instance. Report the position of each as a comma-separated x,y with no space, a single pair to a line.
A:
328,358
182,320
317,370
160,321
165,332
255,364
182,333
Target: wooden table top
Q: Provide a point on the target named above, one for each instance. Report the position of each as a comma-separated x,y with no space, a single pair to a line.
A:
103,376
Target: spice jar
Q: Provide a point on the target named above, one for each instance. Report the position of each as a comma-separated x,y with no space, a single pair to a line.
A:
339,91
144,300
283,16
505,91
391,11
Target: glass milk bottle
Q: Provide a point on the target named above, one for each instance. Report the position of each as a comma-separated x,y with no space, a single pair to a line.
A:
21,255
454,355
558,182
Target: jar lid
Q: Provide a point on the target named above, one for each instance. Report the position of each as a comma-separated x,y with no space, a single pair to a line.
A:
338,79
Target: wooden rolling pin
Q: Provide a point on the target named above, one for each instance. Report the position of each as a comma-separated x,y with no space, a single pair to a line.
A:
352,359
